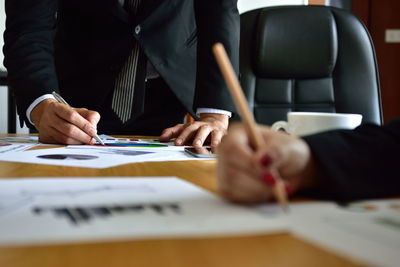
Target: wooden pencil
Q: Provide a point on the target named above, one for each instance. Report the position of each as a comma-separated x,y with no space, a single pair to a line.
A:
247,117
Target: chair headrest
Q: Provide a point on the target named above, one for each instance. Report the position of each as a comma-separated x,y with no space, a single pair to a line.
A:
295,42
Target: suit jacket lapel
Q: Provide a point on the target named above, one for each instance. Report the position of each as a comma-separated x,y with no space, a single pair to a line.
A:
118,11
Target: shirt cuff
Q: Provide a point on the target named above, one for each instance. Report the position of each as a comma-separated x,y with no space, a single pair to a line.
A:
35,103
214,111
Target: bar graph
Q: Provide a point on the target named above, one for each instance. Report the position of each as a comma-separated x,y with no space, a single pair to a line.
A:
79,215
24,198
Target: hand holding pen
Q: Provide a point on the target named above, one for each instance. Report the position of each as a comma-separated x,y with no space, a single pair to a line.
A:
58,123
255,138
93,131
244,176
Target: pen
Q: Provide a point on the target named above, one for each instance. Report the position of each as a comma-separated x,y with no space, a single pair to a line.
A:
61,100
247,117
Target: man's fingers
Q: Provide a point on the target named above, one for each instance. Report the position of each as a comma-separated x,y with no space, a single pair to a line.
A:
202,134
72,133
171,132
216,137
73,117
187,133
60,124
54,136
70,127
200,130
68,140
92,116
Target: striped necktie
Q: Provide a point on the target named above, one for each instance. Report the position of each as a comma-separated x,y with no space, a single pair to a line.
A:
128,96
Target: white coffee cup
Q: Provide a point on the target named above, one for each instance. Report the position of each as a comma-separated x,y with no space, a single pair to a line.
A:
306,123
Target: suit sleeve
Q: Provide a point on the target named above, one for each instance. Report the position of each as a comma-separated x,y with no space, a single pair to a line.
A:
28,50
358,164
217,21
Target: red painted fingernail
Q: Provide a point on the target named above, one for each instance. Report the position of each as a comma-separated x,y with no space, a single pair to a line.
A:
269,178
266,161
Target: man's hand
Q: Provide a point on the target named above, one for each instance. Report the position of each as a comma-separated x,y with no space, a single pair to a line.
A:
211,127
59,124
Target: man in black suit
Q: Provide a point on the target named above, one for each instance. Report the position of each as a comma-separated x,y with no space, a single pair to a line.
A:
340,165
85,49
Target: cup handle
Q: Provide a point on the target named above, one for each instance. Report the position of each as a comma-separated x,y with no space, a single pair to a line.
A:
280,125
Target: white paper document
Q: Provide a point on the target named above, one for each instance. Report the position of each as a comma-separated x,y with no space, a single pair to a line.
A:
14,147
117,151
19,139
367,231
126,141
38,211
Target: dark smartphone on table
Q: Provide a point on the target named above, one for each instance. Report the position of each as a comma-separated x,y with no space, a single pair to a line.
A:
201,152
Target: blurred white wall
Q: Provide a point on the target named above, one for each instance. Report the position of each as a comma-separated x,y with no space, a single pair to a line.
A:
247,5
3,109
2,27
3,89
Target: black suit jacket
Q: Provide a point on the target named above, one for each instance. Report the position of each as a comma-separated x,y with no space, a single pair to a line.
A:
358,164
78,47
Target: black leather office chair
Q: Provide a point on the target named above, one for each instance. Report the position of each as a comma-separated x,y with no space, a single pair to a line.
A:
308,58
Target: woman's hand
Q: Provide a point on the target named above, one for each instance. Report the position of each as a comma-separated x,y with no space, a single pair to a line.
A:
246,175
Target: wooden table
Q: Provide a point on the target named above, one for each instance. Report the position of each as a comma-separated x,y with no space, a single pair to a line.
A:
260,250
